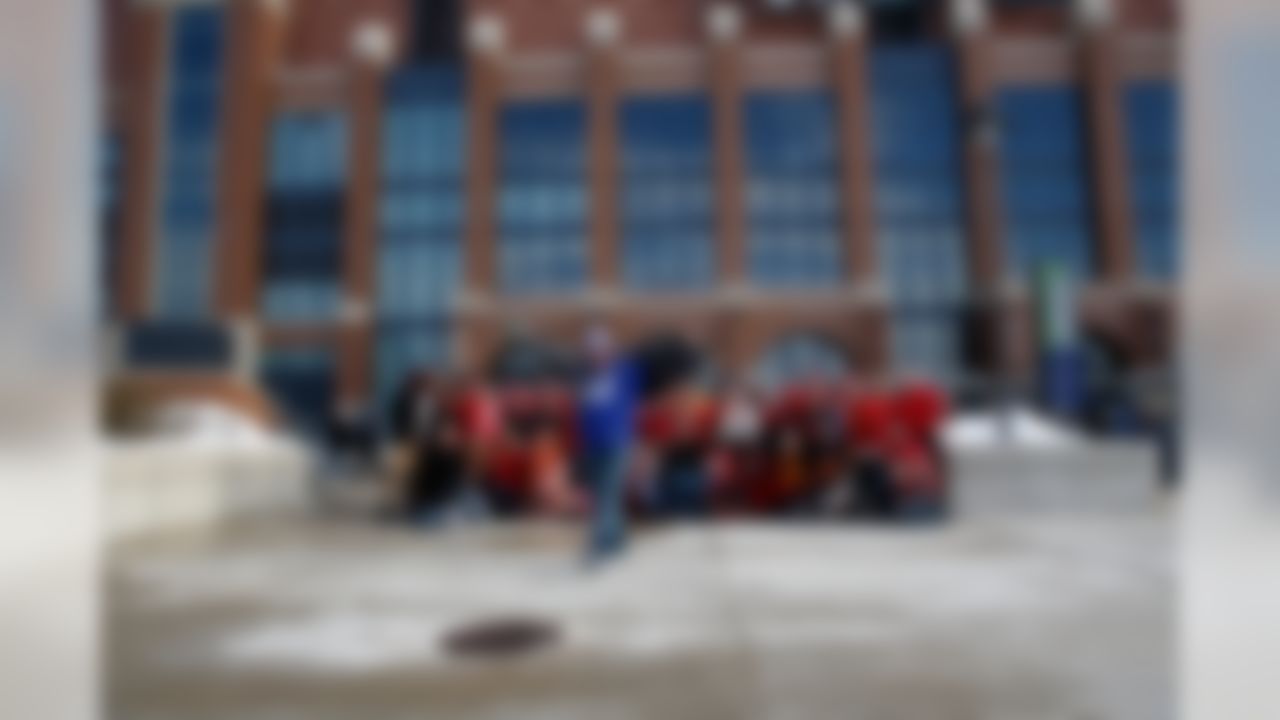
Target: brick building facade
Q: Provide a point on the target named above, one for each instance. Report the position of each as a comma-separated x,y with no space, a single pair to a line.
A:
359,188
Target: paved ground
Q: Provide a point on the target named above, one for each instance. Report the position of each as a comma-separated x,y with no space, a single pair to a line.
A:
1057,620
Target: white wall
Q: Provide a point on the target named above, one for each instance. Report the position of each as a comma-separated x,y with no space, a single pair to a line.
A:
154,487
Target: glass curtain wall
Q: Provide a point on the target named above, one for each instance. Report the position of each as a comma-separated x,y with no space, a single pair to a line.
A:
302,263
421,221
668,204
793,198
1045,181
920,205
1152,123
542,205
187,223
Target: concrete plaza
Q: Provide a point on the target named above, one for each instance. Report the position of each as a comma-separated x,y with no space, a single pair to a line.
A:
1051,618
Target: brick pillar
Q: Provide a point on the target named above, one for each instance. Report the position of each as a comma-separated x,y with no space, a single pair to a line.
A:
850,73
997,309
486,37
980,146
143,136
372,49
256,32
724,24
850,78
1104,115
603,30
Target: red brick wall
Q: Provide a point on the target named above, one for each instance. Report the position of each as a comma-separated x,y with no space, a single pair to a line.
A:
320,30
535,25
1147,14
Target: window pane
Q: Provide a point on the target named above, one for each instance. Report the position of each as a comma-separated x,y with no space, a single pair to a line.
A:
184,267
542,206
420,221
302,249
667,203
1152,115
301,381
1047,211
919,204
792,190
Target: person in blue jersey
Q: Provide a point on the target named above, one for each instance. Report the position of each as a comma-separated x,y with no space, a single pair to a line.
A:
607,409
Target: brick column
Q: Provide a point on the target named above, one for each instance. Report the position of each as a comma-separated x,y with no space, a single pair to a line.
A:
372,50
603,28
143,136
850,73
1104,115
724,24
486,38
256,30
980,146
1000,310
850,78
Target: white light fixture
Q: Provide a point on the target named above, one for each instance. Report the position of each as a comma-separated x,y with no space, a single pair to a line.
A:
968,16
724,21
845,19
604,27
1093,13
373,42
487,34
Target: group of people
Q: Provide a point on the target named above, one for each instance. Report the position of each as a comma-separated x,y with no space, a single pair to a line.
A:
612,446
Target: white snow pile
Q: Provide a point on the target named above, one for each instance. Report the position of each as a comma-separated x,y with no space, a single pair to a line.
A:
1017,427
206,424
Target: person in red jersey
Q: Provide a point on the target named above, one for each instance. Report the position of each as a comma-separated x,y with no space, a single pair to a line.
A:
738,456
680,427
791,454
922,406
482,424
918,461
869,427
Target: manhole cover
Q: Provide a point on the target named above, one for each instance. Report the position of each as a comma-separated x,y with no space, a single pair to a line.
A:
501,637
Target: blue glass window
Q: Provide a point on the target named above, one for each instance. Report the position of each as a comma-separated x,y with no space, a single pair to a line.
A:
301,380
919,203
793,208
542,212
1152,113
178,344
110,176
1043,167
303,244
667,199
308,150
799,358
185,263
421,220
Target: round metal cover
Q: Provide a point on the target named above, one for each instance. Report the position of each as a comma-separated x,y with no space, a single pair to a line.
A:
501,637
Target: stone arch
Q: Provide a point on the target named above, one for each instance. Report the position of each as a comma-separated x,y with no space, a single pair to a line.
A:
800,355
858,333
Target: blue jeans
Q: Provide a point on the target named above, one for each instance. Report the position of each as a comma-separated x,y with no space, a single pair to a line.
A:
682,491
604,471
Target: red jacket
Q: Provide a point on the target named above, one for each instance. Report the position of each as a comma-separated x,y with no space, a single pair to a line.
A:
921,407
869,422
